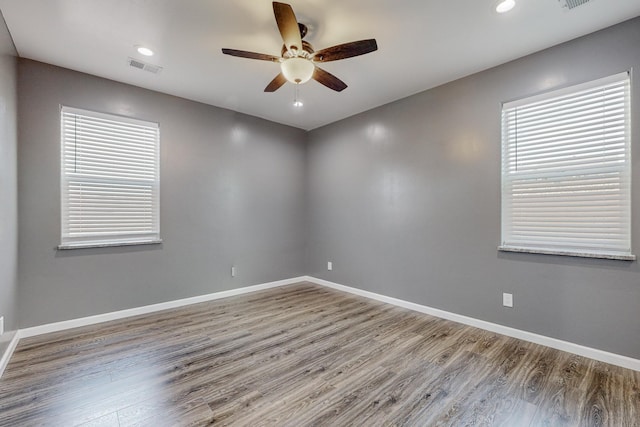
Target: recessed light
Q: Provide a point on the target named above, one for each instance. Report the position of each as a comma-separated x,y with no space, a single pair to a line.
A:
144,51
504,6
297,103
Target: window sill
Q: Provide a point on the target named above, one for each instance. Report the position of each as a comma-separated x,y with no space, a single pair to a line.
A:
68,246
601,255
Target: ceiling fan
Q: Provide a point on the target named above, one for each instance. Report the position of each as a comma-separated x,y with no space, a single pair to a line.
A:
298,59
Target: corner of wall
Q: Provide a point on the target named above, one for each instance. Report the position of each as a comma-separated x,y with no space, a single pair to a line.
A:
8,176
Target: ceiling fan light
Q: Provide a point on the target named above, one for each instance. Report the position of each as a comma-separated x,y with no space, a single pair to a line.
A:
297,70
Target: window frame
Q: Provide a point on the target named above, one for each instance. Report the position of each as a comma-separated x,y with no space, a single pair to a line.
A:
115,239
554,247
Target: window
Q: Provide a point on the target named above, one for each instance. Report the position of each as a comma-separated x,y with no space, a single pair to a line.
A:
566,171
110,180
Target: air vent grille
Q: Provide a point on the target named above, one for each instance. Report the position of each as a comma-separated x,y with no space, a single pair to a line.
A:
570,4
155,69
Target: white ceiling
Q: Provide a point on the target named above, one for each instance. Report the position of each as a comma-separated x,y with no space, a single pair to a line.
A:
421,44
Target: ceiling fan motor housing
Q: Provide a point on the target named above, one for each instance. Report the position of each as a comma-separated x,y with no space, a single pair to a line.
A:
307,50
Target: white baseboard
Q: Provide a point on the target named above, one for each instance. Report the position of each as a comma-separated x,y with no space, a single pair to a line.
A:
4,360
612,358
115,315
592,353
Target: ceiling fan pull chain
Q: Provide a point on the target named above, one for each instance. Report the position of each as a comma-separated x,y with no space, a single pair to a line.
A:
296,96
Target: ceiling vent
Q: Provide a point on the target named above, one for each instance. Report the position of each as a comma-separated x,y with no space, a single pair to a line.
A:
155,69
570,4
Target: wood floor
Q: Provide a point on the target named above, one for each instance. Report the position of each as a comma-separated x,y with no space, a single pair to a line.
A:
305,355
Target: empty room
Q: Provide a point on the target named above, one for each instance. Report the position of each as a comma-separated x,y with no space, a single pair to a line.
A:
319,213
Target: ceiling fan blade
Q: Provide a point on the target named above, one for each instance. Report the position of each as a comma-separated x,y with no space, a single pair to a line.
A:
329,80
288,26
251,55
346,50
276,83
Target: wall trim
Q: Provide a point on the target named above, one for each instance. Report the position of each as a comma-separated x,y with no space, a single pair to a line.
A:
146,309
4,360
136,311
592,353
580,350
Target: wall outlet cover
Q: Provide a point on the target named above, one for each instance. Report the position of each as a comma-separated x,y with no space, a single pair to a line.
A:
329,265
507,300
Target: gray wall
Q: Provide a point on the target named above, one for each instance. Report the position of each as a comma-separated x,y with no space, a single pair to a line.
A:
8,181
405,200
232,192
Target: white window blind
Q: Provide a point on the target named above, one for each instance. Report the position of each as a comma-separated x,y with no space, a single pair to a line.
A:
566,171
110,180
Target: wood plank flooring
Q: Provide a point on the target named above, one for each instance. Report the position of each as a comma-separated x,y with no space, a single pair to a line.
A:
304,355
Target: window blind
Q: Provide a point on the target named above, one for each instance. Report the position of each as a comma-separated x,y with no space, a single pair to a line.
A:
566,171
110,180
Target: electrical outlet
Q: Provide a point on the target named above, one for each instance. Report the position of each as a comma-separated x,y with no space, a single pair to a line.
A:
233,271
507,300
329,265
1,325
